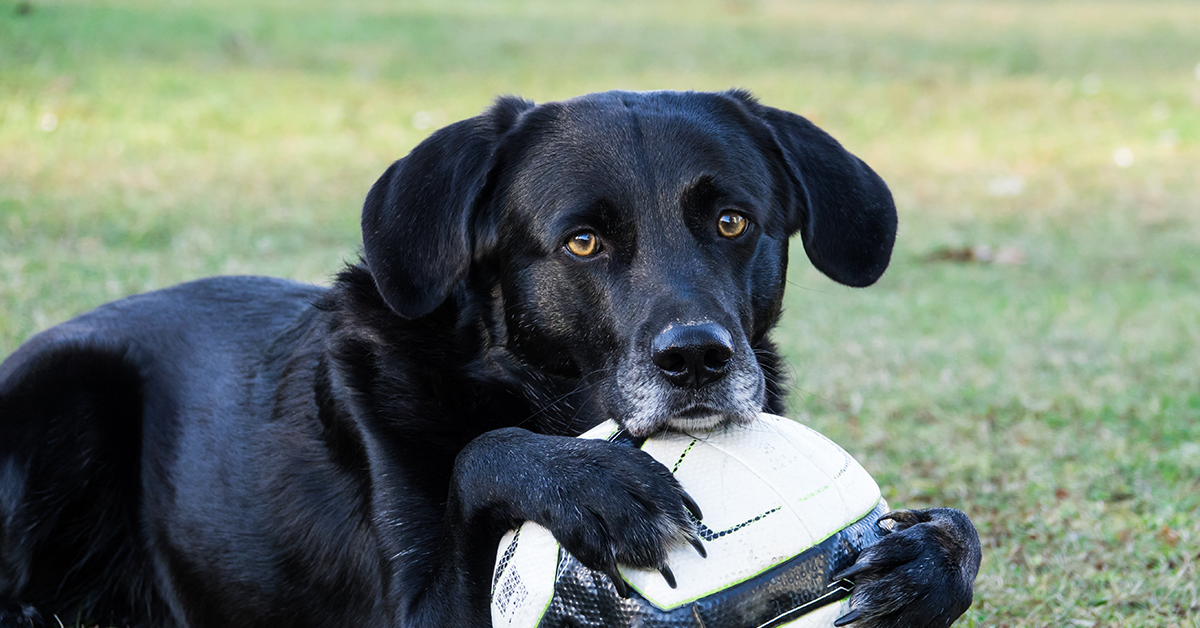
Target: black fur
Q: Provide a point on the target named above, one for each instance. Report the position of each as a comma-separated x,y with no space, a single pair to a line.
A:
245,451
935,544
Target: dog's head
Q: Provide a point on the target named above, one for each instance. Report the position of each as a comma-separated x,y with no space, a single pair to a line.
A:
634,241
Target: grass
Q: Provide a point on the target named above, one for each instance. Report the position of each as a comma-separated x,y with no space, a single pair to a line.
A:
1057,401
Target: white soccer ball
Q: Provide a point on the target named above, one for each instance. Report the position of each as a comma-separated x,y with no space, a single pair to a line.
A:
784,509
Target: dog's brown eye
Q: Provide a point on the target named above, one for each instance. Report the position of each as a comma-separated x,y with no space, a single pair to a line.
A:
584,244
731,224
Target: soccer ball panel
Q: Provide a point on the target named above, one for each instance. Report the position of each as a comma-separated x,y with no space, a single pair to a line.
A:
522,584
769,491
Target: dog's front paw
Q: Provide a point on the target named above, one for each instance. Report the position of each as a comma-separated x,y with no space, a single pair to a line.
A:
620,507
921,573
606,504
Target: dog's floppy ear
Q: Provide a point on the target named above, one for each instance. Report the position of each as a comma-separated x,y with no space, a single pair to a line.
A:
842,209
418,217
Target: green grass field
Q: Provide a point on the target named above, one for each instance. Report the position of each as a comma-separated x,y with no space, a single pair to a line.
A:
1056,400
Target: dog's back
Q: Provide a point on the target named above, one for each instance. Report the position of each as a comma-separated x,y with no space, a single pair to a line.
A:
80,468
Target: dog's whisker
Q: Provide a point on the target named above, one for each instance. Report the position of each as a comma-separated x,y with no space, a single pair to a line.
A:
547,405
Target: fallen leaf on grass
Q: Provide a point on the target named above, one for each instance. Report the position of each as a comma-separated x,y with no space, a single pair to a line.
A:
982,253
1168,536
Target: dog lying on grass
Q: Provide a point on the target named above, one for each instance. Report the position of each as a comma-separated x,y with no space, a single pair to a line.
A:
245,451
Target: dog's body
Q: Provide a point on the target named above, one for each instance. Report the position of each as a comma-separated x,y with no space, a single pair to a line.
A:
256,452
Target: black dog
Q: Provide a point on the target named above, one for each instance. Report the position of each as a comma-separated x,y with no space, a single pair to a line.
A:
255,452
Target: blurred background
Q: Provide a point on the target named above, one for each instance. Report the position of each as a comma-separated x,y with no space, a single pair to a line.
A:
1032,356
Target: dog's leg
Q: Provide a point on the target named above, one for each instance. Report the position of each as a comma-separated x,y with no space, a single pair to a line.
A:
606,504
70,437
921,573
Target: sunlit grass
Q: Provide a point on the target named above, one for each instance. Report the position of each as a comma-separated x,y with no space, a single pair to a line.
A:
1055,400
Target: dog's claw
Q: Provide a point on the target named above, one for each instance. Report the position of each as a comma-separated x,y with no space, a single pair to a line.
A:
849,572
668,576
615,576
691,506
699,547
848,618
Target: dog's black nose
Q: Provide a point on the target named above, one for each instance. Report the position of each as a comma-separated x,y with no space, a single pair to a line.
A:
693,355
